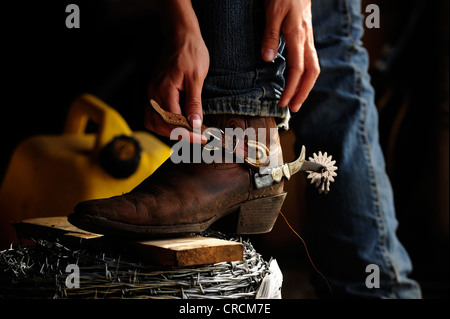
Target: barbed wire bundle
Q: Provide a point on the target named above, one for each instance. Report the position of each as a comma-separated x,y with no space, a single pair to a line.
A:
39,271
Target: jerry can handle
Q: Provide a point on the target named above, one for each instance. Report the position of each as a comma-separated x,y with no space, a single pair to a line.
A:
110,123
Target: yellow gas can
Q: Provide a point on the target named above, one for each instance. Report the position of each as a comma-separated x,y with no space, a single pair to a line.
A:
49,175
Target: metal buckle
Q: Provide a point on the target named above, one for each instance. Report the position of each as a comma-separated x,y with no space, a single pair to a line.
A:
261,156
218,138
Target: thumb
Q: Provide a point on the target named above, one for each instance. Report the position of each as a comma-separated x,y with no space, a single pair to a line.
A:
271,38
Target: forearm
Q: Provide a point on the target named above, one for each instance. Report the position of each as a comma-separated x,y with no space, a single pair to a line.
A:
179,17
185,69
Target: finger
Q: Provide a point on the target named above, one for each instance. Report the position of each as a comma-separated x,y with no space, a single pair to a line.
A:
271,37
180,133
154,123
168,99
296,66
165,90
308,79
306,85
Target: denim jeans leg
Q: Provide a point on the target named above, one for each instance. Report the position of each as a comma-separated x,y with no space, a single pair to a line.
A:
239,81
354,225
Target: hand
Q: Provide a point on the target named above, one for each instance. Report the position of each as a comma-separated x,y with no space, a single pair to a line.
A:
293,19
185,70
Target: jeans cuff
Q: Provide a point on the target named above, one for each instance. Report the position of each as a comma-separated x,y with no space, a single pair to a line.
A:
248,107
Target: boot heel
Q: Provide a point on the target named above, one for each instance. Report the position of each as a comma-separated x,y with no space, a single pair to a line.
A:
259,215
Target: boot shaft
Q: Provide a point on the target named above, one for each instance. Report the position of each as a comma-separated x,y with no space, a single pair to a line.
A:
245,129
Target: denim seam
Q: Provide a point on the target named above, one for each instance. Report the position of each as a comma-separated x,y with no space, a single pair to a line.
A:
243,101
347,27
382,242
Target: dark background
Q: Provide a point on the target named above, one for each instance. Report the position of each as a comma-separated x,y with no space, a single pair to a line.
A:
45,66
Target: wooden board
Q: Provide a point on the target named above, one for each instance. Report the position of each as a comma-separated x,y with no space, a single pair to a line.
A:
182,251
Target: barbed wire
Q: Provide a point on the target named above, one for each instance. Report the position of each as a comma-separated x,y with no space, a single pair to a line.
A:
38,271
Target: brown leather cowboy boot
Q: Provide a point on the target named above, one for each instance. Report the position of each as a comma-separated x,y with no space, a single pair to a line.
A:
189,197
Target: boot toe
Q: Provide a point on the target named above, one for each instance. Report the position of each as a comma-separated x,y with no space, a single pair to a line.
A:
100,212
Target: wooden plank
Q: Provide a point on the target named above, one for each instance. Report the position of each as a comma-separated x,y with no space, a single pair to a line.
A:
51,226
182,251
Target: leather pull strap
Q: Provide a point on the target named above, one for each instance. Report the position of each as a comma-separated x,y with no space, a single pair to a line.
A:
261,157
172,118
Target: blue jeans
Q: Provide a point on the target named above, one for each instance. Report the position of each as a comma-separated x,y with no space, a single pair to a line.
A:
239,81
355,224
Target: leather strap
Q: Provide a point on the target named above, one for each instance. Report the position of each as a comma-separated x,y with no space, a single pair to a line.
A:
173,118
260,156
